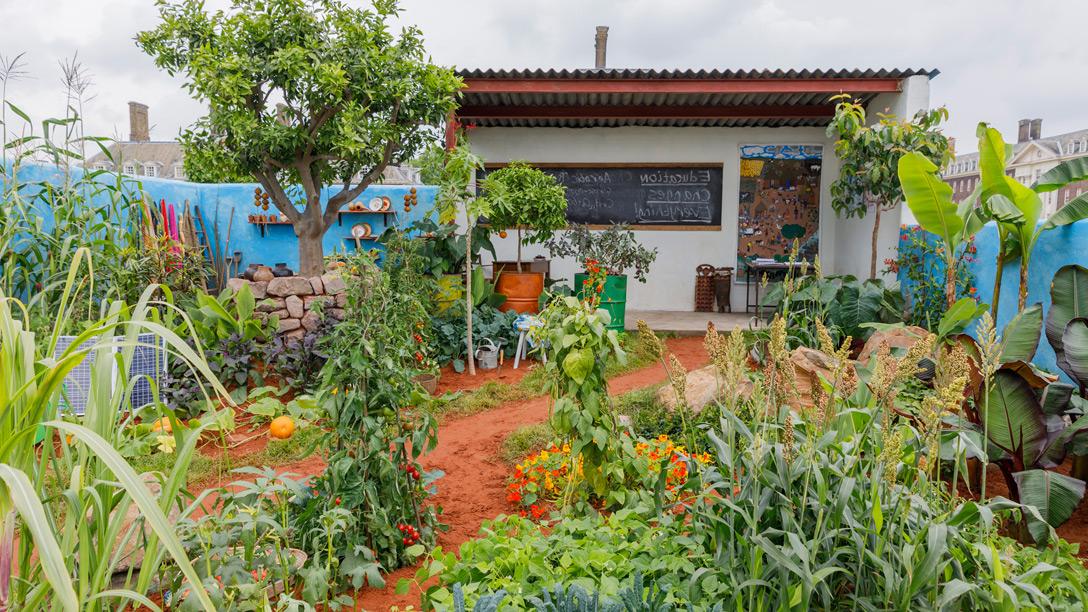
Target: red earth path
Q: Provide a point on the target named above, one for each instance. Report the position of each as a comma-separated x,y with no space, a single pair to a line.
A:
473,489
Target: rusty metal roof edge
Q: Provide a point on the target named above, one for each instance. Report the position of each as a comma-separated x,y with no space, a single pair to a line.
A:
650,73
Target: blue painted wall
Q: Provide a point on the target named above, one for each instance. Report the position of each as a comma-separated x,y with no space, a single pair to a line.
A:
1055,248
220,203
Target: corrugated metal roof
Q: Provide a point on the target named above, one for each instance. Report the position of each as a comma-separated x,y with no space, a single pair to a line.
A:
649,73
486,105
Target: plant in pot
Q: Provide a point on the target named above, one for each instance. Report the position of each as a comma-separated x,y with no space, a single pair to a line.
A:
534,204
615,250
444,250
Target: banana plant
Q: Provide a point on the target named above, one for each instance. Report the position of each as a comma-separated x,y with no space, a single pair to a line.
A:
1068,308
930,199
1019,233
218,318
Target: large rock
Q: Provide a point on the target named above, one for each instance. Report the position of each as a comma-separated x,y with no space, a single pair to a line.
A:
259,289
289,285
336,313
310,300
271,305
287,325
700,389
809,365
235,284
311,321
317,284
341,300
333,283
295,306
903,338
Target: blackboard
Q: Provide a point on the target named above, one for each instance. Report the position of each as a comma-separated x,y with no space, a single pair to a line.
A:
662,196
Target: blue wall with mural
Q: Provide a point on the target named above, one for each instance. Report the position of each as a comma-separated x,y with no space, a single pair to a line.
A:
1054,249
230,205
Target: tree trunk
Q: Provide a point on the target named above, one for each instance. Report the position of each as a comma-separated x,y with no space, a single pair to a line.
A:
998,273
519,249
876,234
311,253
468,295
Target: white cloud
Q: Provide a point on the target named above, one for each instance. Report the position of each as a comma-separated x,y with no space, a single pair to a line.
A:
1000,60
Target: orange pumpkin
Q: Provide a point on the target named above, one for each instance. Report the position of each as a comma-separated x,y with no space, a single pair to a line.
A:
282,427
162,424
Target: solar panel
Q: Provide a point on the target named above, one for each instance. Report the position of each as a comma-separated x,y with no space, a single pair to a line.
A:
148,363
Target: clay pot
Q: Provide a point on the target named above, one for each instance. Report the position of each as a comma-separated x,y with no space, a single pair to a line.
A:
282,270
250,270
263,274
522,290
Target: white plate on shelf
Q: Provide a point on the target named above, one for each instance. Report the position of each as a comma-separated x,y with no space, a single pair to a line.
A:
360,230
376,204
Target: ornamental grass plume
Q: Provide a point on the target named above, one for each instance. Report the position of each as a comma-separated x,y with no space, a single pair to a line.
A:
890,455
946,399
988,347
779,374
921,349
827,345
678,379
818,268
729,354
654,344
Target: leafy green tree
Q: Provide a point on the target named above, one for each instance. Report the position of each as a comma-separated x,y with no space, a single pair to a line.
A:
307,92
455,194
526,198
869,157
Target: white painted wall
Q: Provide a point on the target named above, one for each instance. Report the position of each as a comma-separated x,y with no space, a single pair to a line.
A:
844,243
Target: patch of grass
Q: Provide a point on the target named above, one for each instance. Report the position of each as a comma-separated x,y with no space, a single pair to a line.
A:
525,441
650,418
491,394
638,351
204,468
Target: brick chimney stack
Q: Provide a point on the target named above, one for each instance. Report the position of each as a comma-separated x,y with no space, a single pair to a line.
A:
601,46
137,123
1024,133
1036,131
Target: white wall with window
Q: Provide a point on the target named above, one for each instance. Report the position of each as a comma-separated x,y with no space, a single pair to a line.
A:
129,169
151,170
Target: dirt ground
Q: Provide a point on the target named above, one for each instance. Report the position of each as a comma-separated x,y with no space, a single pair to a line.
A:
473,489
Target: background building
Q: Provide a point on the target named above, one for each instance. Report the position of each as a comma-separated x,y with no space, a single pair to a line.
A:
139,155
1033,156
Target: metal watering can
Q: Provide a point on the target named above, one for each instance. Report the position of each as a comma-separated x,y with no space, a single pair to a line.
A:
487,354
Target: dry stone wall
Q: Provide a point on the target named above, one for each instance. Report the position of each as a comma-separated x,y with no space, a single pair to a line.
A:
294,300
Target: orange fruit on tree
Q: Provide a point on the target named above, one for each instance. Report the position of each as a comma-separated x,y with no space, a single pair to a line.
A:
282,427
502,234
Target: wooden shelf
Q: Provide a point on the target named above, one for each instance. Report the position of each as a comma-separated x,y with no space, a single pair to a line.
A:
384,213
261,225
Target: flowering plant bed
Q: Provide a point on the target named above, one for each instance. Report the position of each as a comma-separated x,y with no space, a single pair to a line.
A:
542,478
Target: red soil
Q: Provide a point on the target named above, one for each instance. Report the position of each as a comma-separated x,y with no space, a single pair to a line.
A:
473,489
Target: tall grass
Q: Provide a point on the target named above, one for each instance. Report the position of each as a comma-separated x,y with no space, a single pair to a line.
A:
72,543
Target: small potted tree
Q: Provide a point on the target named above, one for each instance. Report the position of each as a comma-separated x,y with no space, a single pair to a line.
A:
615,250
532,203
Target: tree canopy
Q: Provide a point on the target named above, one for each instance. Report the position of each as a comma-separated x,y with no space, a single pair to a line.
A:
307,92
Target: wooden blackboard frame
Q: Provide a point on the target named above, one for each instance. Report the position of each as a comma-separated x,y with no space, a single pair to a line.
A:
644,164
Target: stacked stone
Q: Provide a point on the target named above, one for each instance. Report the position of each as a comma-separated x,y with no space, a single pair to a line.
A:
292,300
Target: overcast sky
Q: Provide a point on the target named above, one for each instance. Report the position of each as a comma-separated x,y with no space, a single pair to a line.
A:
1000,60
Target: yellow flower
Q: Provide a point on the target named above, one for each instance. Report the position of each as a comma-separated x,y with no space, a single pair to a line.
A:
166,444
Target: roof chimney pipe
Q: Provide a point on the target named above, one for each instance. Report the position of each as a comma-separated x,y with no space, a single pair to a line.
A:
1024,133
601,46
1036,131
137,123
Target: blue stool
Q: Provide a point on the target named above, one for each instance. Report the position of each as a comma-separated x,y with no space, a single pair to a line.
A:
524,324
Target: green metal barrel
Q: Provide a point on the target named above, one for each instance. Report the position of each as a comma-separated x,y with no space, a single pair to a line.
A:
613,298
